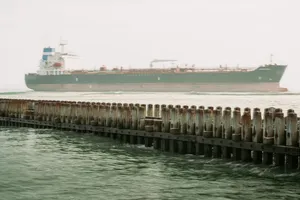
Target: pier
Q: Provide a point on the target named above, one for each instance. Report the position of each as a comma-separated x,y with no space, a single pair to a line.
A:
266,137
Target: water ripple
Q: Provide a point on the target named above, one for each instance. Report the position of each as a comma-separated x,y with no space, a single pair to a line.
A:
46,164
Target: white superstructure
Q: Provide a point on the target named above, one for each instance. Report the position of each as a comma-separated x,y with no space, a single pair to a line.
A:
52,62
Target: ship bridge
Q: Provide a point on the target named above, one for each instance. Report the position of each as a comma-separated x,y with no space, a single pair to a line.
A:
52,62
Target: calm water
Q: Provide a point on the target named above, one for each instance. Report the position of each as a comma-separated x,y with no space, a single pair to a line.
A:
47,164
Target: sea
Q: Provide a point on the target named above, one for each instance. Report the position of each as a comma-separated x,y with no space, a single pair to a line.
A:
44,164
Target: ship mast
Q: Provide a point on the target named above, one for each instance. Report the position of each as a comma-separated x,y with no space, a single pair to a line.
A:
62,49
271,61
62,45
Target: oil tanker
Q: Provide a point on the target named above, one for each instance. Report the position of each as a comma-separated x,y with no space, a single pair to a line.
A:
53,76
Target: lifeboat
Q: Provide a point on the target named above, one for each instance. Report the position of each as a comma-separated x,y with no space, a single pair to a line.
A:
57,64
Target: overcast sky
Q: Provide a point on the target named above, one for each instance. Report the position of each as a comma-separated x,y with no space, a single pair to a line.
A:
133,32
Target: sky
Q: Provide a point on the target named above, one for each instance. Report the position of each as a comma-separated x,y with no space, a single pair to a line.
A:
133,32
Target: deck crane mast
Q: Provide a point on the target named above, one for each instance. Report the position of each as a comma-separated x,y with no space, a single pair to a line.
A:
159,60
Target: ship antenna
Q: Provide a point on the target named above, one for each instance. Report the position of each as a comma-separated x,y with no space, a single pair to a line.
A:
271,56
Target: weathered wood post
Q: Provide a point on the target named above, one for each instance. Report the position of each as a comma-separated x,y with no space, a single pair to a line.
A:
246,133
236,136
292,135
268,135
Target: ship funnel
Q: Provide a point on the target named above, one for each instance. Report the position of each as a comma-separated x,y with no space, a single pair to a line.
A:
47,51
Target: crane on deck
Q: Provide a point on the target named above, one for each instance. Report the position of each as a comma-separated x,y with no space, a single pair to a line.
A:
159,60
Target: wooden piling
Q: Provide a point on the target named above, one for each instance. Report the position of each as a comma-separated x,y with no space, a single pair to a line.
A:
271,138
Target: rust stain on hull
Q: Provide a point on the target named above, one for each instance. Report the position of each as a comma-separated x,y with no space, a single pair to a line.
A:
155,87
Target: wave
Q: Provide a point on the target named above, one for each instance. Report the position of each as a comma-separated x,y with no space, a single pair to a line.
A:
13,92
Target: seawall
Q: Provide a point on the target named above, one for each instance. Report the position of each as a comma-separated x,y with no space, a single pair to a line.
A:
267,137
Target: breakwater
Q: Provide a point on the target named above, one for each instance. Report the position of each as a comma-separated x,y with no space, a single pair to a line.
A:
267,137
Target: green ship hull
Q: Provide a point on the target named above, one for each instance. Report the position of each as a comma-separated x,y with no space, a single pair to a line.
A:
262,79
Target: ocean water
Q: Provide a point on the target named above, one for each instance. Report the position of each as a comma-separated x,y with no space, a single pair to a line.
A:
50,164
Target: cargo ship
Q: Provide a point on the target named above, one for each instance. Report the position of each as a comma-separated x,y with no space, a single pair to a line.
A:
53,76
